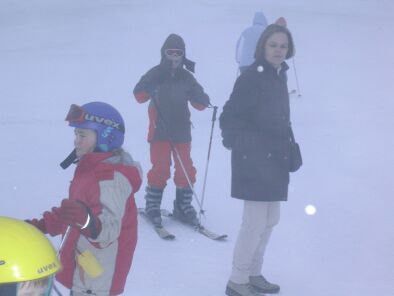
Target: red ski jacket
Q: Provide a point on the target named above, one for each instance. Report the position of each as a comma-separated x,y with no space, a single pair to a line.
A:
106,183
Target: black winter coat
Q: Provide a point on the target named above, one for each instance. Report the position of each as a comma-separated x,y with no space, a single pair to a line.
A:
170,94
255,125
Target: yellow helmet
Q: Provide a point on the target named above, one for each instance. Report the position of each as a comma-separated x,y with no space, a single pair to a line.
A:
25,253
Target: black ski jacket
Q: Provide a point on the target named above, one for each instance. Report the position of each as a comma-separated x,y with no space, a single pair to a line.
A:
169,94
255,126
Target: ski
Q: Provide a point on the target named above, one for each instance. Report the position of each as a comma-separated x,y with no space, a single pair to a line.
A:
161,231
199,228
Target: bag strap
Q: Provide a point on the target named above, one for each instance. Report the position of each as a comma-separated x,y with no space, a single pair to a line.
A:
291,133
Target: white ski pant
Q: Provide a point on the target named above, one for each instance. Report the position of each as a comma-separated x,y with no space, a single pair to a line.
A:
257,222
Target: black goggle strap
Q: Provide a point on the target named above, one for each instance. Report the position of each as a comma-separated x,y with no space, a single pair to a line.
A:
70,159
50,286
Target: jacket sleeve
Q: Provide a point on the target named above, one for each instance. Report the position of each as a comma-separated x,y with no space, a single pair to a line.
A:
239,48
147,85
235,112
114,196
196,95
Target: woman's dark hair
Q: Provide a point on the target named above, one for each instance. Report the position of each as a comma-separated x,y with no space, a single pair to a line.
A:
267,33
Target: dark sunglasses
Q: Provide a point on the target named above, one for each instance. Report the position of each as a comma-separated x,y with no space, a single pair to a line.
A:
174,51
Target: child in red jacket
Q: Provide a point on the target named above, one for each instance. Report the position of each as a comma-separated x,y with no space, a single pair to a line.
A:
99,218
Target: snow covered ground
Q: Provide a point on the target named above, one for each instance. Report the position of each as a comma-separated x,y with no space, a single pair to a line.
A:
55,53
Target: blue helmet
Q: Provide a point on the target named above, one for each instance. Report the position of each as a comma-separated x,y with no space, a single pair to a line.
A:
104,119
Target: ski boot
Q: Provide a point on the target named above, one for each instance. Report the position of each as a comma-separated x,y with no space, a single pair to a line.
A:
183,209
233,289
262,285
153,199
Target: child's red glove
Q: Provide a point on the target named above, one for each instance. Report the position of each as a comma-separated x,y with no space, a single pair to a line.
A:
77,214
40,224
74,213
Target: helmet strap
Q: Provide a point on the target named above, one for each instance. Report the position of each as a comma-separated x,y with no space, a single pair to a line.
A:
72,158
50,286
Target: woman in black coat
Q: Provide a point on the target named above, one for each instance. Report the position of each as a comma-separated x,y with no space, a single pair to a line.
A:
255,126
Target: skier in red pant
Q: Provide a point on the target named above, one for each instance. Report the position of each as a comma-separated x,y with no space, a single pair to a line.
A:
169,87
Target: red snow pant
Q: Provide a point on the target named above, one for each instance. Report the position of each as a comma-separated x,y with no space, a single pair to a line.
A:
160,157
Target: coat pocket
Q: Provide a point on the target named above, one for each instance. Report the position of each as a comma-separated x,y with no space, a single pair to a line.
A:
251,156
251,144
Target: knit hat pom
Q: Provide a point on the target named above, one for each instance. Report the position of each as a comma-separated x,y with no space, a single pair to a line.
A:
281,22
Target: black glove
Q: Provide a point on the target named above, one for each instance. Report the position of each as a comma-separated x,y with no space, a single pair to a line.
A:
153,79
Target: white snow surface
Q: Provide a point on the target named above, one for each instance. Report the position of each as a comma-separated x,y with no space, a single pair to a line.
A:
55,53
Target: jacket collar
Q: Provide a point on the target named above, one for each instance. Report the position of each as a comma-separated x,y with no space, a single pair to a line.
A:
263,65
89,160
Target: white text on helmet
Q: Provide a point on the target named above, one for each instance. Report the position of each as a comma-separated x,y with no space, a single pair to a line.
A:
107,132
102,120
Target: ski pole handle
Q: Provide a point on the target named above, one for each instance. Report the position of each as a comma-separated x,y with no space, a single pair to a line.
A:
215,111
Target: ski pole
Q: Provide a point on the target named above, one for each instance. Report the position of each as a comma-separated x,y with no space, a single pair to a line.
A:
59,250
186,175
173,148
56,290
66,234
296,77
215,109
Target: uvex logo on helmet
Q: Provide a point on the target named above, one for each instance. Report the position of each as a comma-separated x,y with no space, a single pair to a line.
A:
103,120
47,267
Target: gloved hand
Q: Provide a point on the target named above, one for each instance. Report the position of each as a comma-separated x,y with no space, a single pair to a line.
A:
153,79
196,95
74,213
55,211
53,223
40,224
77,214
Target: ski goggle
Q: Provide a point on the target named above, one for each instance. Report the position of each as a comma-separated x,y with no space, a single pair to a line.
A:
14,289
77,115
174,51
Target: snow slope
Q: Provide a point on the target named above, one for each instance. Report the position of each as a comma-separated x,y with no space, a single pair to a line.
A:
55,53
